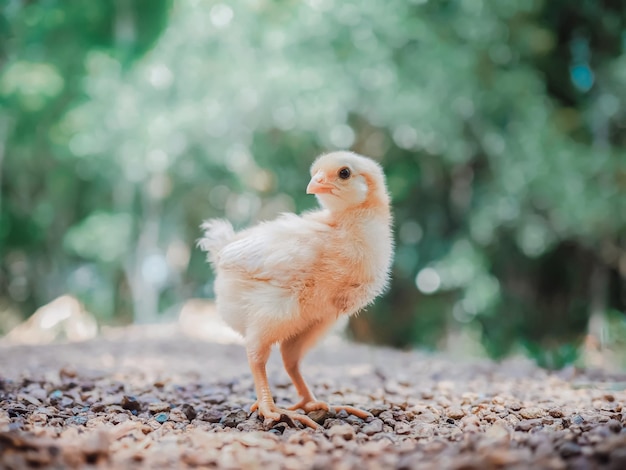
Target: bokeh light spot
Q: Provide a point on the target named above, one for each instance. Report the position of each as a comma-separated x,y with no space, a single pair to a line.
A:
428,281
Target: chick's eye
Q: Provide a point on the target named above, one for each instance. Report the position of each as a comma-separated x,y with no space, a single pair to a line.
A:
344,173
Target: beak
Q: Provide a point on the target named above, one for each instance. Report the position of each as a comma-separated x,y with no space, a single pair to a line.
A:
317,185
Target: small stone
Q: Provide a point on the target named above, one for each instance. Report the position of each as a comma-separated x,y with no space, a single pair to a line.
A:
531,413
177,416
159,407
423,430
352,419
65,402
614,425
498,400
38,392
278,429
555,412
211,415
258,439
378,409
38,418
402,428
497,432
16,425
577,419
78,420
161,417
119,418
319,416
373,427
427,417
233,418
455,412
569,449
130,403
250,425
98,407
345,431
67,373
216,399
29,399
189,411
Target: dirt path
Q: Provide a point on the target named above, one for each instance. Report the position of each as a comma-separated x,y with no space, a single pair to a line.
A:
141,398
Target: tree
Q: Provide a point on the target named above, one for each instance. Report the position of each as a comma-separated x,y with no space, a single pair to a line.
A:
502,150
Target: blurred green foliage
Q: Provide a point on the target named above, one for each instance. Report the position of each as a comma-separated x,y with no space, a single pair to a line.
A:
500,125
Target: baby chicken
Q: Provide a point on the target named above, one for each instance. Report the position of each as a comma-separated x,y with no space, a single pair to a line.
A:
287,281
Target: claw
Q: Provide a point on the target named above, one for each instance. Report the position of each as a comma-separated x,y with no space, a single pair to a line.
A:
273,414
353,411
313,405
310,405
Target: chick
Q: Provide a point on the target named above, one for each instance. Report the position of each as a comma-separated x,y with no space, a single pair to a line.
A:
287,281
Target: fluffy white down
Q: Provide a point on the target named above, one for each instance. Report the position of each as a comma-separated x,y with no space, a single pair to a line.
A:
282,277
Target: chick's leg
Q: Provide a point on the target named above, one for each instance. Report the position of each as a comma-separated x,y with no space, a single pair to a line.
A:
257,358
292,351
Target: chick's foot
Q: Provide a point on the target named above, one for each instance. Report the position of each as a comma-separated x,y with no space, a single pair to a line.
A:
312,405
272,413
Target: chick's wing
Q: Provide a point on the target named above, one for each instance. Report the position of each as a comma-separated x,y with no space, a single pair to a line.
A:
277,251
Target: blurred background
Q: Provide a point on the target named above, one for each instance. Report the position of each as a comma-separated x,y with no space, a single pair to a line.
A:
501,126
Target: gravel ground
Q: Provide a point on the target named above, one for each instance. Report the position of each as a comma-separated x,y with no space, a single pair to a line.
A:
155,398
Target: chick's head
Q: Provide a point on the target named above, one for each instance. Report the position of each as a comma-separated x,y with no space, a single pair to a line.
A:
344,180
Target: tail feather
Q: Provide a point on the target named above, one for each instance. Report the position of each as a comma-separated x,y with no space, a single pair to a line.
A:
217,234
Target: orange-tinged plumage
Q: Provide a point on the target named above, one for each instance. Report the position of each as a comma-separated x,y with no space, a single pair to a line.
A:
287,281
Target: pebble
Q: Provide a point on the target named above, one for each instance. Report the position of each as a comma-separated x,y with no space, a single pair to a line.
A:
232,418
38,418
98,407
402,428
427,417
130,403
25,397
527,424
189,411
373,427
531,413
345,431
569,449
463,420
119,418
78,420
455,412
423,430
319,416
159,407
614,425
212,415
497,432
555,412
178,416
